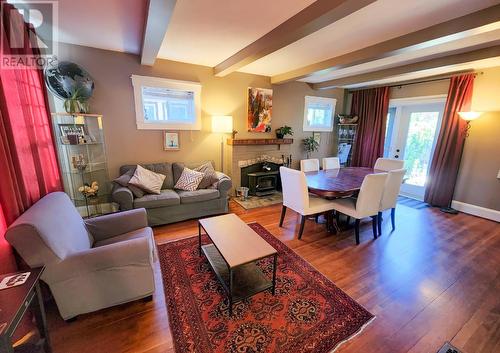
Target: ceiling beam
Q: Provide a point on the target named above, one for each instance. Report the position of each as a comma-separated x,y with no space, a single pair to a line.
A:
319,14
437,34
453,59
157,21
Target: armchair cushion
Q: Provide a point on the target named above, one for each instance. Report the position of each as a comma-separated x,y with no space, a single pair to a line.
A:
114,224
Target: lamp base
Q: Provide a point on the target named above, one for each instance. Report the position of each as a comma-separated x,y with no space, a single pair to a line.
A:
448,210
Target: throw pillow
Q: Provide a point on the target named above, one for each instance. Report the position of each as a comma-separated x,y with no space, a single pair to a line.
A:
124,179
209,175
189,180
147,180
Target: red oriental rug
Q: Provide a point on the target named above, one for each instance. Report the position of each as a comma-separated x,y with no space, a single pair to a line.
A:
307,314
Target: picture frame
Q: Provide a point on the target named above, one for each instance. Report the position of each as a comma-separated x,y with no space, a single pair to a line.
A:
317,137
259,109
171,141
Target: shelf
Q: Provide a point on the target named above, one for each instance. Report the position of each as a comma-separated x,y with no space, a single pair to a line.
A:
347,124
254,142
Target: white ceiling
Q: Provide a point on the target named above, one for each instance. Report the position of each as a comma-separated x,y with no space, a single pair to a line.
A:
106,24
469,66
206,32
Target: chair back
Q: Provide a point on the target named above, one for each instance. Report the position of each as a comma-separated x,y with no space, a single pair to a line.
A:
391,189
50,230
370,194
387,164
331,163
309,165
294,188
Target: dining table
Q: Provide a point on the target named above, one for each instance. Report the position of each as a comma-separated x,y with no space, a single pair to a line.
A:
337,183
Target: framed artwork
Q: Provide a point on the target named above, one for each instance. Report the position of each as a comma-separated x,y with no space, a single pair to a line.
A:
317,137
72,134
171,141
259,109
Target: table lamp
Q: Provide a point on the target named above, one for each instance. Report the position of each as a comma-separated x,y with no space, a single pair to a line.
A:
222,124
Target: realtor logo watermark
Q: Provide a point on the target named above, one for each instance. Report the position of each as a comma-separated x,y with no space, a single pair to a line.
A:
17,46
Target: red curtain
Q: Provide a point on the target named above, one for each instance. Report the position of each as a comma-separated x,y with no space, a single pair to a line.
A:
448,153
28,164
371,106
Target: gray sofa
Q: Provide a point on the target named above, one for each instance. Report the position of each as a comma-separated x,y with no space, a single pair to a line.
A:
174,205
89,264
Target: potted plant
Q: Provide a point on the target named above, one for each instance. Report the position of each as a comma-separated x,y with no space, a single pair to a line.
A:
310,145
283,131
77,103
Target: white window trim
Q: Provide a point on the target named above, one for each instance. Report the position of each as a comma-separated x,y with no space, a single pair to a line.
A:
313,99
145,81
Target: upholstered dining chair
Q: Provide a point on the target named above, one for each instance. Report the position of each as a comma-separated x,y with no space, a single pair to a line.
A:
330,163
296,197
387,164
367,203
390,196
309,165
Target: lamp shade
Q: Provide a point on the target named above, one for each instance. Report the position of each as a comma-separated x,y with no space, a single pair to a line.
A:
468,116
222,123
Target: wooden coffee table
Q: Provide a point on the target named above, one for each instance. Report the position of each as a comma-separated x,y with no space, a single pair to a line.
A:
232,255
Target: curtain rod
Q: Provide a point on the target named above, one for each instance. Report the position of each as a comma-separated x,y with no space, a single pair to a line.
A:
443,78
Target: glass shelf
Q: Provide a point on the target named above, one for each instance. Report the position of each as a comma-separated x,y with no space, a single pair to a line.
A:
82,127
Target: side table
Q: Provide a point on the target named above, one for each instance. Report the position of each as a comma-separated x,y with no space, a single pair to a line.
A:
14,302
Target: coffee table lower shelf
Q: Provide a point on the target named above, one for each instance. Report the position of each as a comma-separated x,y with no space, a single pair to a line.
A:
247,280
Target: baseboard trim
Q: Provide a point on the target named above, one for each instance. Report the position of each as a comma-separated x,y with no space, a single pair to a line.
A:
479,211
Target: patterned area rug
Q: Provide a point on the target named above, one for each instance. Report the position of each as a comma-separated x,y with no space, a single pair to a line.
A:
308,314
262,201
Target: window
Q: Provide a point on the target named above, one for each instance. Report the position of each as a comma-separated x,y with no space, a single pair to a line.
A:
166,104
318,113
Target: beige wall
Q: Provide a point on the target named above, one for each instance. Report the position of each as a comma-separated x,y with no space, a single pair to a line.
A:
477,180
114,99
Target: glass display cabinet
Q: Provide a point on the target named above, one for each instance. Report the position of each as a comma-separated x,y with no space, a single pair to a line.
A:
82,157
346,137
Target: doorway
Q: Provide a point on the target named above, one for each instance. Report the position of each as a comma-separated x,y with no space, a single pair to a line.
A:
411,132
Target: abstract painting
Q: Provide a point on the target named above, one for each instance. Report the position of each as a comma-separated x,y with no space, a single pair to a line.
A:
260,108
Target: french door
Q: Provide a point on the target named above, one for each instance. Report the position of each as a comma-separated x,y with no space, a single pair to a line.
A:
412,129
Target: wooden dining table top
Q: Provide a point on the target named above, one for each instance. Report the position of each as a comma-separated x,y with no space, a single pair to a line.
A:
335,183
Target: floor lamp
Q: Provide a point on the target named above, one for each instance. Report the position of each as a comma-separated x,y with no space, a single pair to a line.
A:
222,124
468,117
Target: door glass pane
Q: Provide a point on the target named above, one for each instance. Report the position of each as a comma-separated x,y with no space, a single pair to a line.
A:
389,127
419,145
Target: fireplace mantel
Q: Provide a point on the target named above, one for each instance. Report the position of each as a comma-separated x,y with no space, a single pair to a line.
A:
252,142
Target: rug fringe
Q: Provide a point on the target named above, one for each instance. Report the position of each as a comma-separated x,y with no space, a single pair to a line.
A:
354,334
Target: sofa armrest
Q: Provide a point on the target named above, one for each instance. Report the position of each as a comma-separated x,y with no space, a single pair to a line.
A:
113,224
133,252
124,197
224,184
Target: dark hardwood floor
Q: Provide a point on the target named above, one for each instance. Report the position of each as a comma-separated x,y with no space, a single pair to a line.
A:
435,279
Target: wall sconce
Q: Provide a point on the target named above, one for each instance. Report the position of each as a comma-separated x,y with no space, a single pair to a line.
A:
468,117
222,124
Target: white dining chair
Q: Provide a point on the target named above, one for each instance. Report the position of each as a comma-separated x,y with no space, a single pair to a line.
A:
390,196
330,163
296,197
367,203
387,164
309,165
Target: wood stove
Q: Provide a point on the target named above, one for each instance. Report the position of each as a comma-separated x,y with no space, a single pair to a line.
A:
261,178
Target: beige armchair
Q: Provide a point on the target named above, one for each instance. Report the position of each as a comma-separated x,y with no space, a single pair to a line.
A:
89,264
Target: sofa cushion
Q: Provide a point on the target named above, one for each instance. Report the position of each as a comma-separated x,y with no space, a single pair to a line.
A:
160,168
209,175
177,169
198,195
165,198
189,180
147,180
